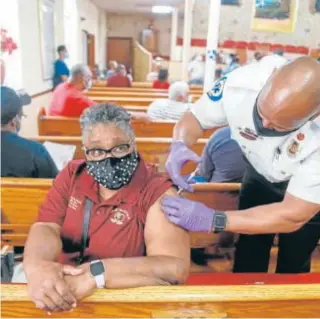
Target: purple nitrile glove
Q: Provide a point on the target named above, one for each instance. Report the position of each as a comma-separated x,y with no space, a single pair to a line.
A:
179,155
190,215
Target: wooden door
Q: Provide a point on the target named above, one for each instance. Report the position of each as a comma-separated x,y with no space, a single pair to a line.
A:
120,50
91,50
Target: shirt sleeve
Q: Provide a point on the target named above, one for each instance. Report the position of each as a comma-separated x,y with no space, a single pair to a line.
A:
305,184
45,166
61,69
54,208
80,104
209,109
206,166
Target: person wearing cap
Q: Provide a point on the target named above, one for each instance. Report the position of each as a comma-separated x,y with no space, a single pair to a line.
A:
61,70
68,99
272,108
20,157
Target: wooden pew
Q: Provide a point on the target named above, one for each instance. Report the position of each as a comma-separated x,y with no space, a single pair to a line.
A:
204,296
140,90
135,95
21,198
66,126
123,100
140,85
154,150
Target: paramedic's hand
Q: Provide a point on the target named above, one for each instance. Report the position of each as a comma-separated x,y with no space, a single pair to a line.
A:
179,155
190,215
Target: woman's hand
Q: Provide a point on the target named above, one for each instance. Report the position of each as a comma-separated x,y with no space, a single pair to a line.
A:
48,288
83,285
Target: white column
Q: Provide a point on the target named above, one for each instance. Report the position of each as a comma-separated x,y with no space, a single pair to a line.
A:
188,7
212,43
174,33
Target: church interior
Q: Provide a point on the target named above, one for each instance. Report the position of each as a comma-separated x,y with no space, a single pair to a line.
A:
68,67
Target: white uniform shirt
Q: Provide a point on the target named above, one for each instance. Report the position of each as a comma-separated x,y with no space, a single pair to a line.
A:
294,157
166,109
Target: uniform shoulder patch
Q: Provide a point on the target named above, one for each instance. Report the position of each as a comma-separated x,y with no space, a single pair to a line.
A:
216,93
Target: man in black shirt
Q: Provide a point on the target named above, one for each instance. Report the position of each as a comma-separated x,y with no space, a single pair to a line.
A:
20,157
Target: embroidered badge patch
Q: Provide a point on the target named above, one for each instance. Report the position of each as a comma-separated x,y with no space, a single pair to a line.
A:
74,203
293,148
216,92
247,133
119,216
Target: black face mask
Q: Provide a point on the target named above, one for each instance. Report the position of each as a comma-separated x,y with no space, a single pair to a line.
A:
114,173
261,130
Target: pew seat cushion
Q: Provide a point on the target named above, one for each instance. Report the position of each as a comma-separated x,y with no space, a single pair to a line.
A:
116,227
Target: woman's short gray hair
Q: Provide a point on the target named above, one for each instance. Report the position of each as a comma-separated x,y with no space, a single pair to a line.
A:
107,114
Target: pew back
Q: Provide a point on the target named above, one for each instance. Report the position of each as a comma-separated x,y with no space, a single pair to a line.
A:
154,150
22,197
240,300
68,126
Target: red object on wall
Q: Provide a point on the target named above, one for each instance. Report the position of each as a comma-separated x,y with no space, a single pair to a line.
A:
277,46
290,49
253,46
303,50
241,45
229,44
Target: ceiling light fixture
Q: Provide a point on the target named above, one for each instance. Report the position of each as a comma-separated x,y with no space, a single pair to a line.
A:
162,9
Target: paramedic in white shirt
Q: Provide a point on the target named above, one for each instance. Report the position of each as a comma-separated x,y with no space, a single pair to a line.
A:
172,108
272,108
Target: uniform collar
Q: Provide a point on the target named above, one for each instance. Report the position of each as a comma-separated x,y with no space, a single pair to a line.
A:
127,194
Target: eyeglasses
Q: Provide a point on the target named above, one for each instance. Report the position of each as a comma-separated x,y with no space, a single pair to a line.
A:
98,154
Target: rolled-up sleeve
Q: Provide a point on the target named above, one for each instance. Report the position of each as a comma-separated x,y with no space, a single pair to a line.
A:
53,209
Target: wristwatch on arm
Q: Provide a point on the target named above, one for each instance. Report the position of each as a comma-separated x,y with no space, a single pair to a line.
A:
97,272
219,222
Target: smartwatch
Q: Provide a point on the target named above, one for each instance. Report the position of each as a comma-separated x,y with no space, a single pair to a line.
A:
97,272
219,222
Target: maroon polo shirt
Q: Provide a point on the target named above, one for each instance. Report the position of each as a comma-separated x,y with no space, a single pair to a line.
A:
116,226
118,80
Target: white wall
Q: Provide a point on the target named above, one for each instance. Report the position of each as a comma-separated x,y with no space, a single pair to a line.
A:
29,42
235,24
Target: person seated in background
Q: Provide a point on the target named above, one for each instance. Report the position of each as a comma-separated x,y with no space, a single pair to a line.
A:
222,159
196,70
112,69
119,79
20,157
174,106
153,75
130,241
96,72
257,56
162,81
68,98
129,73
60,69
232,62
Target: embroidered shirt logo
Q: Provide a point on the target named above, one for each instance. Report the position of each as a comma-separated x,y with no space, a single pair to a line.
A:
216,92
74,203
119,216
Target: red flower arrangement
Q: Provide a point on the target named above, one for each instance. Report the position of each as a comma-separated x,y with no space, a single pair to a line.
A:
7,43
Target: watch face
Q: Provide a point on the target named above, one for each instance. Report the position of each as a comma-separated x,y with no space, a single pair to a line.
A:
97,268
220,221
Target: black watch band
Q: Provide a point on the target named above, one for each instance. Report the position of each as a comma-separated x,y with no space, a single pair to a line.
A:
219,222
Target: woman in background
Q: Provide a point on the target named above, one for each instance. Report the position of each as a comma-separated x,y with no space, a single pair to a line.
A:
162,82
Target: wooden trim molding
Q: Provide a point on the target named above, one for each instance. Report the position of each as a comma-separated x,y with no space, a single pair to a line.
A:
41,93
